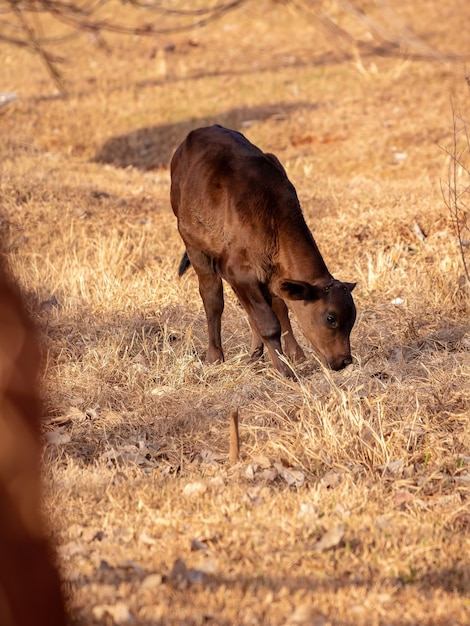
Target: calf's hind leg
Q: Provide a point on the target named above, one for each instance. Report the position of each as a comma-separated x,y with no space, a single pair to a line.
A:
212,294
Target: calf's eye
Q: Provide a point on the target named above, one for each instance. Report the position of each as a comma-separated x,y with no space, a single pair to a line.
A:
331,320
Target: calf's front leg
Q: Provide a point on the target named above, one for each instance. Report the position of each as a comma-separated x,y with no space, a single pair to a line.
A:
257,345
292,348
264,323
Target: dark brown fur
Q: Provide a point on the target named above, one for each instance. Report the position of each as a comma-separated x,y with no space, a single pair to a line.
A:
30,589
240,220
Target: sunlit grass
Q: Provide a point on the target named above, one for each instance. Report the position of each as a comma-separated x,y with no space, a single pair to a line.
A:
379,449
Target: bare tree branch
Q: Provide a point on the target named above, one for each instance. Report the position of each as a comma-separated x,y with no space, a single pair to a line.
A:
21,24
453,191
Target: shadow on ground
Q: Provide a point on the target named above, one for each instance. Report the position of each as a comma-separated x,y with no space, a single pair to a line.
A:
133,576
152,147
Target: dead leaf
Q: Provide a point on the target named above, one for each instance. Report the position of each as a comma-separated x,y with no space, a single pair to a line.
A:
418,231
306,615
256,494
123,534
199,545
58,437
75,530
269,475
209,567
403,497
308,512
179,575
462,479
217,484
383,523
146,539
454,500
76,400
331,538
73,415
118,612
261,461
196,576
394,467
132,565
211,457
293,477
126,455
70,549
409,471
250,471
92,413
161,391
151,581
331,480
193,490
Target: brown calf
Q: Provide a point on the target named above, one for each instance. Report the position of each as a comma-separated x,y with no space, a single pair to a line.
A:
240,219
30,593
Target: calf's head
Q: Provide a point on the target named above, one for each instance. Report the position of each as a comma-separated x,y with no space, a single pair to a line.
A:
326,315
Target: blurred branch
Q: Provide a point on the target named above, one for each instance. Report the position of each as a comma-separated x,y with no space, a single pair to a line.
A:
34,41
21,26
395,32
456,189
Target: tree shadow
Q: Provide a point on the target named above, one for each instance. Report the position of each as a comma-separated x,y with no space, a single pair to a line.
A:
152,147
182,594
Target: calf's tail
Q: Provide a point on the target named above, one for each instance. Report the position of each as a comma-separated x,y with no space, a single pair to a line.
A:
184,264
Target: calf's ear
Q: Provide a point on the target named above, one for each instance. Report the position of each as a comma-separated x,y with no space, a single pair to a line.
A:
299,290
349,286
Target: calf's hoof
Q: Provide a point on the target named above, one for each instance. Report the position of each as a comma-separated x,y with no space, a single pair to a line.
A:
256,355
214,355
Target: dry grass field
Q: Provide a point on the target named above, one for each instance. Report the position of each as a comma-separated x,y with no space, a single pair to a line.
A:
350,504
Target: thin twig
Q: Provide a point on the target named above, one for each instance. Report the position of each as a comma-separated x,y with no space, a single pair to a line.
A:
234,437
453,198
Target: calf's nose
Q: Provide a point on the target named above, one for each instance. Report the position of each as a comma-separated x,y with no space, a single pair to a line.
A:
341,363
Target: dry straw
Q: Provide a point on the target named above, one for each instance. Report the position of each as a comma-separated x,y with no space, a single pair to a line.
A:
349,502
